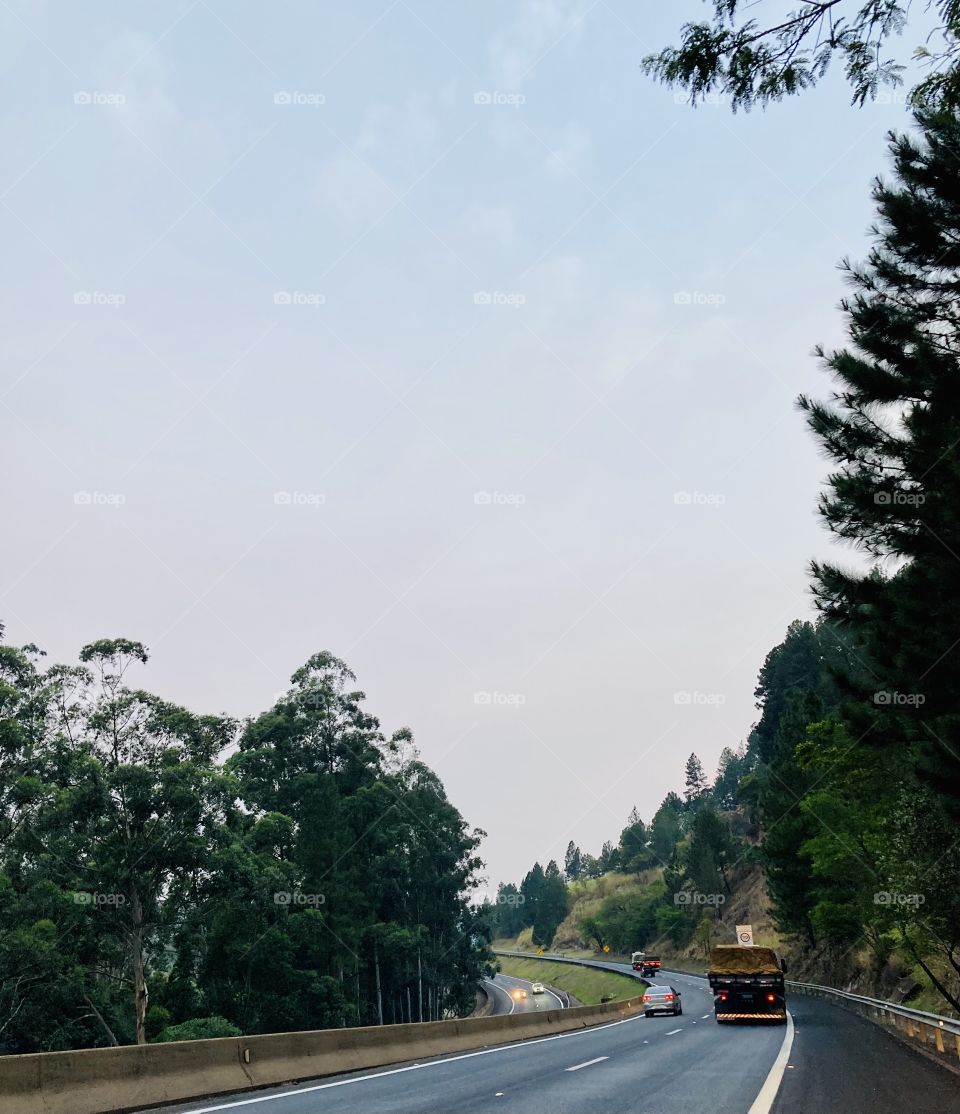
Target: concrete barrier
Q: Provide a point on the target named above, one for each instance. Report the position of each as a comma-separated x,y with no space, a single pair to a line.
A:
111,1080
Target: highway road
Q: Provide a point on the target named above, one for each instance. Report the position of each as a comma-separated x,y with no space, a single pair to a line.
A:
502,988
826,1061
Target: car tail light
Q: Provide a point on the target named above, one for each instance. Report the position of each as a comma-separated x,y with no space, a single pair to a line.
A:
669,997
646,997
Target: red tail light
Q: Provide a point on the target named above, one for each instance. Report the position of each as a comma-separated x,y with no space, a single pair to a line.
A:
669,997
771,997
723,997
646,997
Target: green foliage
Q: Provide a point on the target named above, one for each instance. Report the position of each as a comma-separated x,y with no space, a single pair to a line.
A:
198,1029
736,56
320,877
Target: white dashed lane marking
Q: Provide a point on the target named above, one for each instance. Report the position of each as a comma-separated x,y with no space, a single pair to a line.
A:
577,1067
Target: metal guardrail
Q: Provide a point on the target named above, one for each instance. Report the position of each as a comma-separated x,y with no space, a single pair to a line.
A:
940,1035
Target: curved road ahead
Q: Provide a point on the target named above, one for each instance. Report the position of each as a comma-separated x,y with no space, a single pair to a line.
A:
838,1064
501,987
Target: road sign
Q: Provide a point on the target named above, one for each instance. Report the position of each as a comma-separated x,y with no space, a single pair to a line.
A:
606,947
539,951
745,934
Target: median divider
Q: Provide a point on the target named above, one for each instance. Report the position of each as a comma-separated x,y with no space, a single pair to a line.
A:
131,1077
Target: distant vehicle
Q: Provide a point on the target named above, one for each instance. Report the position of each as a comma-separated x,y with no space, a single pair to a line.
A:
662,999
519,993
538,988
646,964
747,984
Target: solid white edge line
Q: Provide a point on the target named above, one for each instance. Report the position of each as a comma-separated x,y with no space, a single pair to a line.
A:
586,1064
763,1103
412,1067
513,1002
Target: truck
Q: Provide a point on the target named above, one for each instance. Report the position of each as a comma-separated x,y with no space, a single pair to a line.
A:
646,964
747,984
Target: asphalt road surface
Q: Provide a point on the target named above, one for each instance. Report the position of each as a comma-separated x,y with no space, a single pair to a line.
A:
503,989
838,1064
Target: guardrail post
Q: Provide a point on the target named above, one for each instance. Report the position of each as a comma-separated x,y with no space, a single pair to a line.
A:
938,1037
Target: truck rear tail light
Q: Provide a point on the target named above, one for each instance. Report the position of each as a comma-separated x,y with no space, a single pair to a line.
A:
771,997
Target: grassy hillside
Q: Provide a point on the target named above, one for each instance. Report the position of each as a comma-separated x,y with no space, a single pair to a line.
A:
747,903
587,985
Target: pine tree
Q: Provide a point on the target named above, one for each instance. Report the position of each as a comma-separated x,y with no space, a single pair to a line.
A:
695,780
892,427
573,862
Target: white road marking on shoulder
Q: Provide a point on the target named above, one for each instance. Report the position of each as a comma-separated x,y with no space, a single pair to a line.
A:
414,1067
763,1103
577,1067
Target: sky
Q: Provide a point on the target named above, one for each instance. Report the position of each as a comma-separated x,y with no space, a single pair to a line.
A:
436,336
